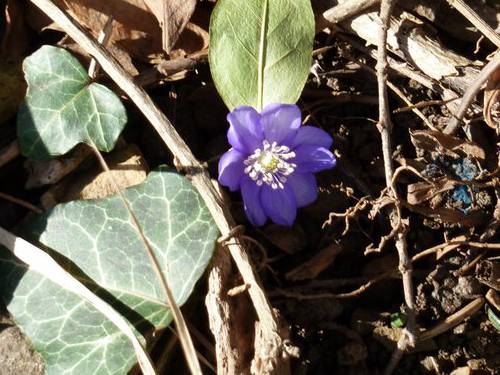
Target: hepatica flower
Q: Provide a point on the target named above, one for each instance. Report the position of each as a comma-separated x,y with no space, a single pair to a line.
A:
273,160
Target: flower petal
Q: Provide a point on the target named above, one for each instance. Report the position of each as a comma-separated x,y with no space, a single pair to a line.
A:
245,131
279,204
253,208
280,122
231,169
304,188
313,158
311,135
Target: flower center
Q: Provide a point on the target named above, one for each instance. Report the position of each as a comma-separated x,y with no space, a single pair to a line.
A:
269,165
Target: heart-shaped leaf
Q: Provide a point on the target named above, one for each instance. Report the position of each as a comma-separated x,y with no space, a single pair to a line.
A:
63,107
260,50
97,241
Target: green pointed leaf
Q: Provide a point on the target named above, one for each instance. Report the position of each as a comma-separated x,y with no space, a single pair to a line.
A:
260,50
63,107
99,244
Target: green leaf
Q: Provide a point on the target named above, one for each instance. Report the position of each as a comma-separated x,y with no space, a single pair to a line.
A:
398,320
63,107
260,50
97,241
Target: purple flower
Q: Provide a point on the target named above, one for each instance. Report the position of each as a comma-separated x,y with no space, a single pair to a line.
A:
272,161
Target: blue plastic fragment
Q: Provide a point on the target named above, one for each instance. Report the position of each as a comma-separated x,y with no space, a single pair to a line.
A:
462,194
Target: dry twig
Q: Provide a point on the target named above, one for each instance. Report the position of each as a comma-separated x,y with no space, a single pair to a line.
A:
9,153
407,339
477,21
453,319
471,93
103,38
20,202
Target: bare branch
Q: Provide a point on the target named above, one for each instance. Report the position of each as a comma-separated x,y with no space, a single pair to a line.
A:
384,125
471,93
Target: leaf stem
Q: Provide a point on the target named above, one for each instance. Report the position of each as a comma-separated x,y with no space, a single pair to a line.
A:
262,57
184,336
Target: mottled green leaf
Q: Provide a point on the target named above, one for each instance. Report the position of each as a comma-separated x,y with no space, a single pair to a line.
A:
96,241
260,50
63,107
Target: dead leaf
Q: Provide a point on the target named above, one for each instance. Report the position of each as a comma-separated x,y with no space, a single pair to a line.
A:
491,107
449,215
466,370
173,16
423,191
127,166
119,54
317,264
289,240
440,143
48,172
135,27
193,40
137,23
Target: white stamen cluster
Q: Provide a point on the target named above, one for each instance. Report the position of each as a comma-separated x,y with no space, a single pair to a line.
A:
269,165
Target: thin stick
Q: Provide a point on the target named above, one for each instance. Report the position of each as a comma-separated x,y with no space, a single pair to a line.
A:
270,330
471,93
403,97
453,319
423,104
407,339
41,262
477,21
412,107
184,336
200,356
9,153
102,39
435,249
327,295
20,202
